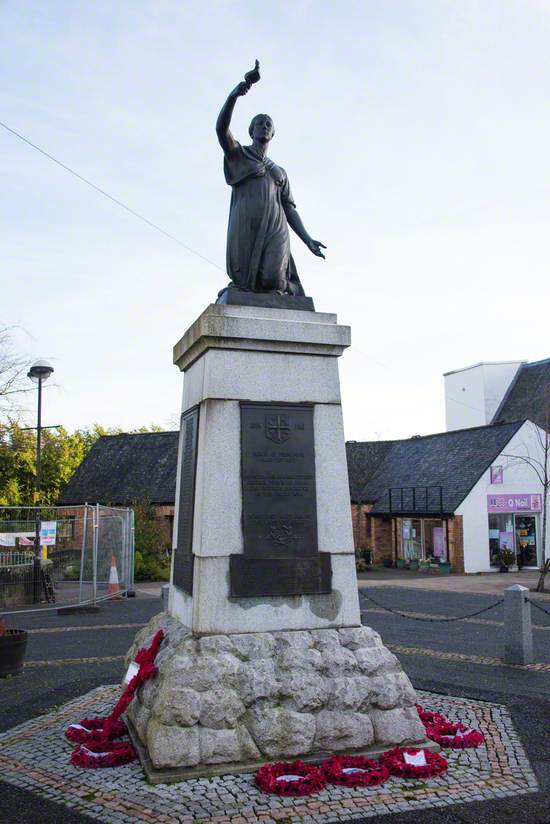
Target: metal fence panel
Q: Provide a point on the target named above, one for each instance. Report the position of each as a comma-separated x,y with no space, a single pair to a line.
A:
84,544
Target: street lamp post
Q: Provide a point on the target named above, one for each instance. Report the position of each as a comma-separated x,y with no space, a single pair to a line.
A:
39,372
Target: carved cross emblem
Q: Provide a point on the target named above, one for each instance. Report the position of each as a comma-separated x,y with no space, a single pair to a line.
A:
277,428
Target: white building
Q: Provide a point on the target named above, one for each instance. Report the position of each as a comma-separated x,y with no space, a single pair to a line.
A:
504,508
463,495
473,394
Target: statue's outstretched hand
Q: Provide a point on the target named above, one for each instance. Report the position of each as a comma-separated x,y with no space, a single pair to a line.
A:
315,246
240,89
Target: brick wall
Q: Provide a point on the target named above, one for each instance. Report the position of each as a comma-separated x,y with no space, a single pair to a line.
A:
374,532
361,537
382,540
456,543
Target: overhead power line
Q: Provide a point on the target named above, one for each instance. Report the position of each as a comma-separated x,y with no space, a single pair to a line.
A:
110,197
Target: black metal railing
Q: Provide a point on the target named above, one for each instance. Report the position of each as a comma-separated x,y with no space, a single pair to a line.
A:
416,499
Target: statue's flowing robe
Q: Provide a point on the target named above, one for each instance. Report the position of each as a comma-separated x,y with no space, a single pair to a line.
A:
257,237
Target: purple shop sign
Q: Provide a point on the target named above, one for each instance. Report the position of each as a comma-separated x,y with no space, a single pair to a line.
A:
520,502
497,473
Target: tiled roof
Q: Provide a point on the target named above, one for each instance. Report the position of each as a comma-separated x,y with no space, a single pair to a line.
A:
123,469
453,460
364,458
528,396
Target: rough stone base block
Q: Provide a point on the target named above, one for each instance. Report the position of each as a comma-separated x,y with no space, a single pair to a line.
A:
244,699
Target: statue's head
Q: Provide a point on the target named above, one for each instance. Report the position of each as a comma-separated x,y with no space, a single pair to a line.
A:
261,128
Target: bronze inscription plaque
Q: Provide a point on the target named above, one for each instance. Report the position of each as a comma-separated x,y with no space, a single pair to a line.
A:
278,480
183,557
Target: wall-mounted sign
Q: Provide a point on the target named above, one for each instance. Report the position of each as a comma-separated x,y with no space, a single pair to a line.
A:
519,502
48,533
497,473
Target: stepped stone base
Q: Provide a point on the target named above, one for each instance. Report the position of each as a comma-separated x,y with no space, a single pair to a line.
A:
244,699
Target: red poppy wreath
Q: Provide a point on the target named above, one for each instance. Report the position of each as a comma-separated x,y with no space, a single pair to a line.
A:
94,736
354,771
428,717
106,754
290,778
405,762
94,731
454,736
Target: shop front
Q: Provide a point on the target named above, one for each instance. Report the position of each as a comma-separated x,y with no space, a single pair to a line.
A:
422,539
514,525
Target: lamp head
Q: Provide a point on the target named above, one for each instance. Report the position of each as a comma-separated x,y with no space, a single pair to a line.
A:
40,369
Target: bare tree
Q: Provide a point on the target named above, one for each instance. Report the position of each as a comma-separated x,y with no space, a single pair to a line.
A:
13,369
540,465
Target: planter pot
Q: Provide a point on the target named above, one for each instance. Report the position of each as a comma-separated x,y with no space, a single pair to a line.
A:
424,566
503,568
13,646
388,563
444,569
413,563
400,563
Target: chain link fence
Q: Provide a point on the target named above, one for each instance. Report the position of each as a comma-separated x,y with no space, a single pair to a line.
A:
64,555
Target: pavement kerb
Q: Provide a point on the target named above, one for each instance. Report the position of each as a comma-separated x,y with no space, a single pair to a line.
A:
474,584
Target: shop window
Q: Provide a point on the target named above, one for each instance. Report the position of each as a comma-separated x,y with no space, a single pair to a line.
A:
411,535
501,535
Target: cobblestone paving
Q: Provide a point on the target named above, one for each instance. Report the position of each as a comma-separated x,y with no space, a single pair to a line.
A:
35,756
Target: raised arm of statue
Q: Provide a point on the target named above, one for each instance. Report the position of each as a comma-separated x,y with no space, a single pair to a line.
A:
295,222
227,141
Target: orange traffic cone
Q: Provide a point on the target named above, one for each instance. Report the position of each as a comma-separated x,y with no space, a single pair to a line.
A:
114,586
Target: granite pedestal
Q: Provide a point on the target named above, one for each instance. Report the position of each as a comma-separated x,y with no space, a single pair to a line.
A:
265,655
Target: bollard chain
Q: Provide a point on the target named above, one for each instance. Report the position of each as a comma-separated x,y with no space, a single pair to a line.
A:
538,606
434,620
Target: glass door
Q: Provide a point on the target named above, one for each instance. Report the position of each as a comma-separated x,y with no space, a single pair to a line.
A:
526,540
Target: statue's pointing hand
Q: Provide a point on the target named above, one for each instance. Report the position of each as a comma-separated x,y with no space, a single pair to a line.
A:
315,246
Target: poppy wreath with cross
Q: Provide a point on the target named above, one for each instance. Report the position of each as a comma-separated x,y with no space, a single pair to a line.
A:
395,762
454,736
94,737
290,778
354,771
94,731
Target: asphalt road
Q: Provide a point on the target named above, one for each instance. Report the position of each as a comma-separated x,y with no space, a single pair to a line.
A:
71,654
526,693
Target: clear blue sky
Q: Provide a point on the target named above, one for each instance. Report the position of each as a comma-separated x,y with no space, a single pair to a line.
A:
415,134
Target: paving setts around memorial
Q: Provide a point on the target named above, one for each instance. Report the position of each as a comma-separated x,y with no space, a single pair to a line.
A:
35,756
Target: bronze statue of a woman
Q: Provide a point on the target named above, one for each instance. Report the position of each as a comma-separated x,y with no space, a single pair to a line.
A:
262,207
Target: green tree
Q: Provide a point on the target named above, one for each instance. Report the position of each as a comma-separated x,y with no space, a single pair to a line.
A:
62,452
152,544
